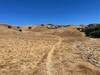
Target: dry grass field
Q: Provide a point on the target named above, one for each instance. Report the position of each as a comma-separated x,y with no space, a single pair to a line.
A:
42,51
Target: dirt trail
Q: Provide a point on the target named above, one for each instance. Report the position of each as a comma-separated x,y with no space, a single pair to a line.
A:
49,57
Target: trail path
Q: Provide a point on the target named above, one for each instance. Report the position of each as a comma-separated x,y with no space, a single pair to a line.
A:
49,57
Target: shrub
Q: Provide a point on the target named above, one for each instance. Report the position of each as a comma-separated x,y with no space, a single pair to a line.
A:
9,27
93,31
29,27
95,34
88,31
20,30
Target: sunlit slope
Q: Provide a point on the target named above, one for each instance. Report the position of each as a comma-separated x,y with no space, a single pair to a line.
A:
43,51
5,30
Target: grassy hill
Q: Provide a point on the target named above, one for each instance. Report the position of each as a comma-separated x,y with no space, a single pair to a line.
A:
43,51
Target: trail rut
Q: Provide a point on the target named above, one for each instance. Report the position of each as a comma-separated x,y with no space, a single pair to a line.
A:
49,57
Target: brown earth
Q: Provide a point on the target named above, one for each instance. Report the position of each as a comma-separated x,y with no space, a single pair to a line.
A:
42,51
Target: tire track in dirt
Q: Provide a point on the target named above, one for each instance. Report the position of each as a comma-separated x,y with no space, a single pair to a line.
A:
49,57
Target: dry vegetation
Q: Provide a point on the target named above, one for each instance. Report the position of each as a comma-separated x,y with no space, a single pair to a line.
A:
42,51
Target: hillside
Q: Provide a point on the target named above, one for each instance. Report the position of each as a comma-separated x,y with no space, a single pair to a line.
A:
43,51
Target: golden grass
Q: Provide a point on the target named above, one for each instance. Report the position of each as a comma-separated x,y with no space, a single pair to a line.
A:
43,53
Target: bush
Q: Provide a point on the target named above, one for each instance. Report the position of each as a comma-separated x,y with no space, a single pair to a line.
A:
91,30
88,31
29,27
95,34
9,27
20,30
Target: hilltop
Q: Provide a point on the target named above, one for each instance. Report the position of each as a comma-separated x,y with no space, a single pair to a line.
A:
40,50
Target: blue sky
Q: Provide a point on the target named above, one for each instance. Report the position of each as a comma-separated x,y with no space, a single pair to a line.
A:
27,12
